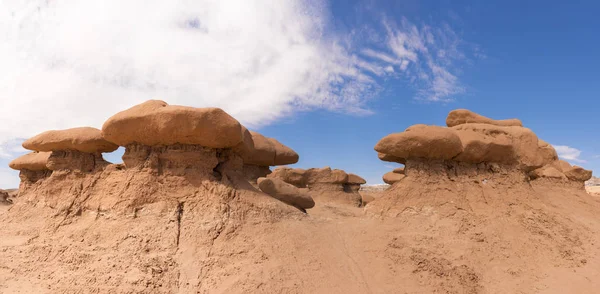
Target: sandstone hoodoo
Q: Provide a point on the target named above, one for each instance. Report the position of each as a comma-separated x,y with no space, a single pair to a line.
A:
287,193
325,185
32,167
392,177
473,151
259,153
72,149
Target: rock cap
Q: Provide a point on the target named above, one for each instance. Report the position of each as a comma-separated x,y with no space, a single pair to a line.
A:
34,161
84,139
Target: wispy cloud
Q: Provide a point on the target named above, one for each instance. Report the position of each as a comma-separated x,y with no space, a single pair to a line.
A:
74,63
569,153
425,55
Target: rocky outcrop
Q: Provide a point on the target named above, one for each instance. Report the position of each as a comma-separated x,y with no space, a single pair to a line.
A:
287,193
472,151
85,139
259,153
32,167
560,172
78,149
463,116
155,123
325,185
392,177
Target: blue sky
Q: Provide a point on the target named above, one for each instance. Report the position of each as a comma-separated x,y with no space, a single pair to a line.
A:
369,68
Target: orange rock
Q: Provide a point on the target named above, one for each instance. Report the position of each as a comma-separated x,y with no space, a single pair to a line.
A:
355,180
285,192
392,177
463,116
155,123
34,161
85,139
421,141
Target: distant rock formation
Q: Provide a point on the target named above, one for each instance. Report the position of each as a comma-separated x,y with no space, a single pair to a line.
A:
325,185
473,150
288,193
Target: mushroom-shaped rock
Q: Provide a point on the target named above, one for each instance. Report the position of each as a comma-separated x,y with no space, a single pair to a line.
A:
463,116
257,149
399,170
579,174
498,144
391,178
390,158
34,161
85,139
326,175
355,180
294,176
285,192
547,171
421,141
284,154
154,123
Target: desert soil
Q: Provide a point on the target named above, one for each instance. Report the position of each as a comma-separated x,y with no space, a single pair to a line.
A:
333,249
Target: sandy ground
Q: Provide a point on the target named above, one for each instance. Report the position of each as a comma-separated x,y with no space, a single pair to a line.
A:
331,250
593,190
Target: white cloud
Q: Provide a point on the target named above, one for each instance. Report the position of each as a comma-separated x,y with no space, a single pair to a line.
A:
569,153
426,56
75,63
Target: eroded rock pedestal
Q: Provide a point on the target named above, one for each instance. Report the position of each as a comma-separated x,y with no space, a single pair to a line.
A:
324,184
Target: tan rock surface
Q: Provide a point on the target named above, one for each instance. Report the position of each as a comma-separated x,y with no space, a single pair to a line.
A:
577,173
34,161
155,123
422,142
285,192
354,179
464,116
392,178
85,139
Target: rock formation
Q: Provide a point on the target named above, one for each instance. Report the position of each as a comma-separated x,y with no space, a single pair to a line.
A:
324,184
259,153
473,151
288,193
77,149
32,168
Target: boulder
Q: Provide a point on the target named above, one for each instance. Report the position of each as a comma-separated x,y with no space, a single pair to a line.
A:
498,144
463,116
391,178
257,149
284,154
399,170
561,165
285,192
578,174
34,161
421,141
547,151
85,139
547,171
326,175
155,123
294,176
390,158
355,180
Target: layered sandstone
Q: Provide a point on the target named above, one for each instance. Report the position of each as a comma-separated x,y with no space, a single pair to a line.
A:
473,151
326,185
